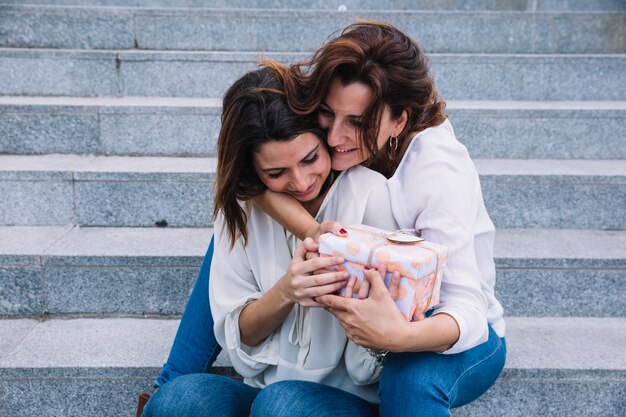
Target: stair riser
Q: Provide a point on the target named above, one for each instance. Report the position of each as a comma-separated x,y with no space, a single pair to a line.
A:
179,200
459,77
535,134
185,200
136,286
305,31
517,5
85,393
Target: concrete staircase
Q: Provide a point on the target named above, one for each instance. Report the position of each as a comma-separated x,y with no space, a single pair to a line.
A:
109,112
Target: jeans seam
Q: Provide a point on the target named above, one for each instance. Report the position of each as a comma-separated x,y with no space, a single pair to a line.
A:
500,345
209,356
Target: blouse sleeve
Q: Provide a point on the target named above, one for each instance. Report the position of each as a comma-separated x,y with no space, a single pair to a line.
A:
231,287
441,192
363,368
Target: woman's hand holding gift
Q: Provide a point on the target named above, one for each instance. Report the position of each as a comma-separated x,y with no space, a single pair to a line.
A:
327,226
301,284
374,322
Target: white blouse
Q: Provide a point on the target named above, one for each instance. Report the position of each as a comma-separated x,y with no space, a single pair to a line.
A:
436,190
310,344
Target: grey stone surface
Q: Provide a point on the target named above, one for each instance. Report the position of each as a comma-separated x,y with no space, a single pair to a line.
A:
53,27
25,240
95,270
550,134
94,343
305,30
21,290
559,367
98,243
560,248
566,343
543,202
55,130
168,132
25,72
208,74
34,203
119,290
520,5
136,203
555,292
521,396
143,126
487,32
530,77
12,332
458,77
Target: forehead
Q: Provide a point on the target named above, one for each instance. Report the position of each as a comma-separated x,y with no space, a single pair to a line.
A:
352,98
284,153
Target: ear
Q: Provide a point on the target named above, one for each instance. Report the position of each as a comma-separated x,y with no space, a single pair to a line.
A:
400,123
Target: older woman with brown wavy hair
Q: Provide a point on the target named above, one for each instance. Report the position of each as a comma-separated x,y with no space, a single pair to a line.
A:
372,91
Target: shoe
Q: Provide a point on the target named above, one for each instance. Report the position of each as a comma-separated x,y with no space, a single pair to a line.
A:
142,400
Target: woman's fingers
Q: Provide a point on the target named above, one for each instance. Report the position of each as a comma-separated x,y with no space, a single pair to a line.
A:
394,285
322,262
364,291
350,287
329,226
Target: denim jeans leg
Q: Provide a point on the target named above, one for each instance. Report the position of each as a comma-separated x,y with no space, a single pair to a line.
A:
309,399
205,395
430,384
194,349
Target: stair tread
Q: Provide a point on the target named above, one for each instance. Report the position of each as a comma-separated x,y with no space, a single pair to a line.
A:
571,344
157,164
73,241
547,105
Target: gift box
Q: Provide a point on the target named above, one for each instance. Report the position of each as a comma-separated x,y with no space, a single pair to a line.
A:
419,262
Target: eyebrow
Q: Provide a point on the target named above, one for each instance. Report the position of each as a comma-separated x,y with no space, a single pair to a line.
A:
351,116
307,156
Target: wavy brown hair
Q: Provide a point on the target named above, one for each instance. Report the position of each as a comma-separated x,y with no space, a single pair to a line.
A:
254,112
385,59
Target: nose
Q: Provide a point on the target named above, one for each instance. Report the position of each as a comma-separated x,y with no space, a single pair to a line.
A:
299,181
334,133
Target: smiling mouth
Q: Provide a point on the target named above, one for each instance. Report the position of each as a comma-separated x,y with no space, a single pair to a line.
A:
344,151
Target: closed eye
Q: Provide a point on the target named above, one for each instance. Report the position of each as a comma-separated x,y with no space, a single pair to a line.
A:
311,160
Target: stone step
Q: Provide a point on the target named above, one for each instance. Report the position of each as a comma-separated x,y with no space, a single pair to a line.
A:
33,72
137,271
305,30
152,126
569,366
519,5
88,190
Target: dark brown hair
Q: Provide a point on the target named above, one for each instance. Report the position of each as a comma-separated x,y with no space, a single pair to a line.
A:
385,59
254,112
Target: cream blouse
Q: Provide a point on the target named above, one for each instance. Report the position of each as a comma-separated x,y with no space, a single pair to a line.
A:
310,345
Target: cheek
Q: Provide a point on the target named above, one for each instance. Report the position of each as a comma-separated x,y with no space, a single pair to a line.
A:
274,184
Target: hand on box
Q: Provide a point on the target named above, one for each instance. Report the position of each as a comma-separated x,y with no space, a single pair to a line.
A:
327,226
300,284
374,322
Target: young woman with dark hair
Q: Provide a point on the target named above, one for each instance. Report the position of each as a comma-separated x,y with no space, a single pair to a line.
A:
262,289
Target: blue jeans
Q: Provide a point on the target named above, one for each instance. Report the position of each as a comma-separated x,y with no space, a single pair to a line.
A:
195,348
215,395
430,384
